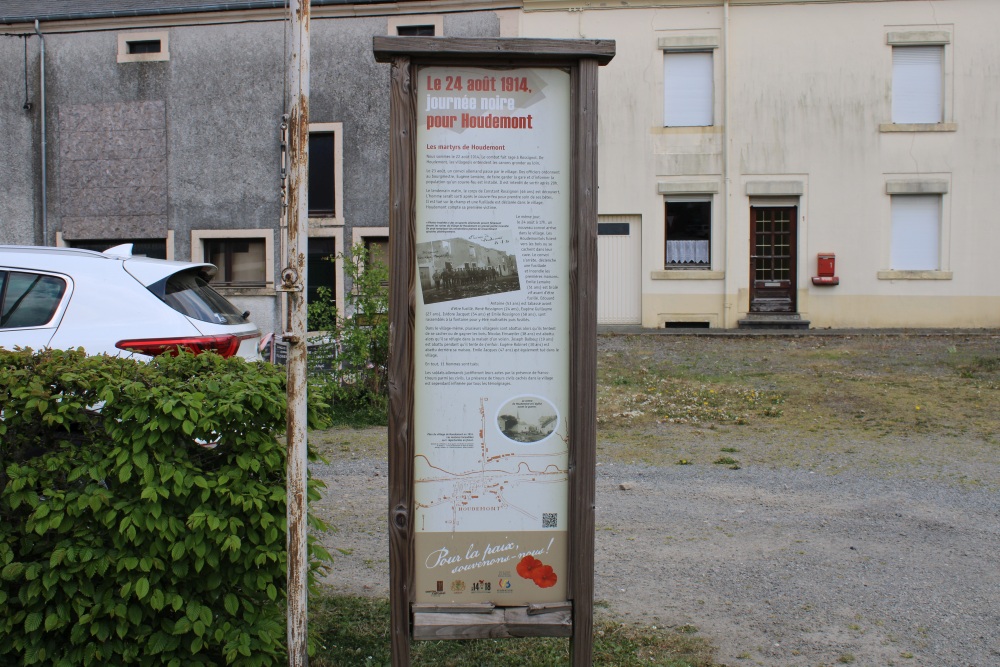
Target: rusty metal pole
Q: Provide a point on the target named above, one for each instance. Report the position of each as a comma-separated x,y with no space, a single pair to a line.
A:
293,279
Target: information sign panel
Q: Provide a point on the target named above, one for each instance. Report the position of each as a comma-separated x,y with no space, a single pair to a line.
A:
492,340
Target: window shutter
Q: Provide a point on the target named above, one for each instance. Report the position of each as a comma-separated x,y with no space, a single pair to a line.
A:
916,232
917,73
687,89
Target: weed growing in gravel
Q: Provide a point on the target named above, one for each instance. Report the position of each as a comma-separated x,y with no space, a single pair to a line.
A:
673,401
805,402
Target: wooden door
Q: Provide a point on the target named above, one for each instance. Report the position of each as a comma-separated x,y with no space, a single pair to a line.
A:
773,259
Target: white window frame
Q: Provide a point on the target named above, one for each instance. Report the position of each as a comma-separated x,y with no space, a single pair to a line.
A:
682,43
126,38
700,113
916,37
199,236
939,230
337,129
683,199
688,191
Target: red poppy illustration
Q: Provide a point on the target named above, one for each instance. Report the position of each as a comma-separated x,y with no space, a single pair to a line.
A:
544,576
527,564
532,568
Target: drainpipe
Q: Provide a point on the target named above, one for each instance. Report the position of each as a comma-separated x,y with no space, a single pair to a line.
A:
45,198
727,305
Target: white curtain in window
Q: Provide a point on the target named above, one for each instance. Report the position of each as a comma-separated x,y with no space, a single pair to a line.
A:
916,232
687,252
687,89
917,84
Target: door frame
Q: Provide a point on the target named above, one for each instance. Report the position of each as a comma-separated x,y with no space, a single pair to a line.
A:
758,302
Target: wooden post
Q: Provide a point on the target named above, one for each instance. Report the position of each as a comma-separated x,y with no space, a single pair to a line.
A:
572,617
401,156
583,364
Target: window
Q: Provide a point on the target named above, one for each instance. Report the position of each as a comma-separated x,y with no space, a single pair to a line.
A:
326,172
916,233
612,229
322,268
688,89
28,299
917,84
137,47
378,252
188,294
688,234
145,46
240,261
322,173
155,248
415,30
426,25
244,258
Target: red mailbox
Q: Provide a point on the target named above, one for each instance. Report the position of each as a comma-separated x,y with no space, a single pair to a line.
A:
826,267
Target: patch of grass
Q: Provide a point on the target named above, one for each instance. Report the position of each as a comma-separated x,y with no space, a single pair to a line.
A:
726,461
355,631
343,442
803,401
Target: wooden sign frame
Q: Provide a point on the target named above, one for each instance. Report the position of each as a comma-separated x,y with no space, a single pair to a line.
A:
574,616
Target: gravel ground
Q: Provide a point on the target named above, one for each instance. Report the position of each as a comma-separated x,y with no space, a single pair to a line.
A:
774,566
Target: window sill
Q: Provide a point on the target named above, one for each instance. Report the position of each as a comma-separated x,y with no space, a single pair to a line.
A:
687,129
325,220
238,290
918,127
915,275
687,274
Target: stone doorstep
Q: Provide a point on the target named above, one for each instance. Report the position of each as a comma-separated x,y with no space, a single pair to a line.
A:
773,321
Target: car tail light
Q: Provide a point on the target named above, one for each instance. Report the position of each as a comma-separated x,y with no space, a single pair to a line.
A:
226,345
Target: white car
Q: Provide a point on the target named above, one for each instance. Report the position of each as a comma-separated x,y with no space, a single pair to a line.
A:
116,304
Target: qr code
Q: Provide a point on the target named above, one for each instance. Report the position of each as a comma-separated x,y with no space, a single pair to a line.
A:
550,519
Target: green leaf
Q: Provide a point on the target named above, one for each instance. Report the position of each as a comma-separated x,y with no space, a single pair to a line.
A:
142,587
33,622
231,603
12,571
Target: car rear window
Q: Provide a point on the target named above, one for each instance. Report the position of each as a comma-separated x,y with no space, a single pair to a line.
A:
28,299
189,294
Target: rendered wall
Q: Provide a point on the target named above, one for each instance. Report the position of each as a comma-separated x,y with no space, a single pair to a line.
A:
19,158
192,142
809,89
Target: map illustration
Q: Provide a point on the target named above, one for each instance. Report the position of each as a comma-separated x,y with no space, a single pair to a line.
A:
501,486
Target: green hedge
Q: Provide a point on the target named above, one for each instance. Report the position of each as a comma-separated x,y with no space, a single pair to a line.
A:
125,539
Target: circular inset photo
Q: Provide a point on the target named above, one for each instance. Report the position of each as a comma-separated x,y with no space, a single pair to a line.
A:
527,419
